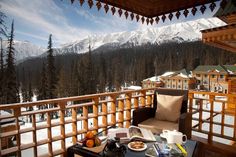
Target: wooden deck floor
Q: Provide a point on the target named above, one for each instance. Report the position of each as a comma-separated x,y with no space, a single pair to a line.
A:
214,149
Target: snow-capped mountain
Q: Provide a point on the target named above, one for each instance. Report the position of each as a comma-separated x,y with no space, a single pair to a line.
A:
24,50
186,31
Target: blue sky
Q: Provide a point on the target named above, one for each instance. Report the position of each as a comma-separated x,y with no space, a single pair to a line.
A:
35,19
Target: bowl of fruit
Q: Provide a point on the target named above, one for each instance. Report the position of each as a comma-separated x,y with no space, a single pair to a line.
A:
93,143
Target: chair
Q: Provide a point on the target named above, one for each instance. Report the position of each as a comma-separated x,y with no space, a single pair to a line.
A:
146,117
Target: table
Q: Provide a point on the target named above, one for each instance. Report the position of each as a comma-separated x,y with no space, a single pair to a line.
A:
77,149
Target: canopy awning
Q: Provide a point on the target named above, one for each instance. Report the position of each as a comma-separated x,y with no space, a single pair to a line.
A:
153,10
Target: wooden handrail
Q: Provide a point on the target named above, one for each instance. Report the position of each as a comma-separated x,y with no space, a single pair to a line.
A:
78,112
205,118
103,110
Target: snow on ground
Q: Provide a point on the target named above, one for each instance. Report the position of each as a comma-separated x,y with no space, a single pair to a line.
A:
216,128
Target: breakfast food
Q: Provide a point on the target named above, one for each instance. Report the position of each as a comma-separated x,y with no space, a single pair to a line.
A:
91,140
137,145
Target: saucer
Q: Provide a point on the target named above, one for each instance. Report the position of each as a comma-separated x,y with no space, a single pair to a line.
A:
162,135
138,149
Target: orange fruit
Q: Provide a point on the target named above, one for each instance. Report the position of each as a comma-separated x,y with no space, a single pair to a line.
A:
89,143
89,135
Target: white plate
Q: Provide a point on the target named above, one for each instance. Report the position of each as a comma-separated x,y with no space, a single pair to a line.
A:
162,135
141,149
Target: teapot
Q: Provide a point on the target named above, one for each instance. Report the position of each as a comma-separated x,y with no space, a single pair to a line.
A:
174,136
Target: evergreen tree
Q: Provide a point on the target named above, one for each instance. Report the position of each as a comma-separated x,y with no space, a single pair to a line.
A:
43,88
90,74
63,84
42,92
11,82
2,84
3,27
51,75
51,71
29,91
29,97
23,86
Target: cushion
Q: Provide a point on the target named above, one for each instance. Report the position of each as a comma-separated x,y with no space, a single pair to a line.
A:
156,126
168,107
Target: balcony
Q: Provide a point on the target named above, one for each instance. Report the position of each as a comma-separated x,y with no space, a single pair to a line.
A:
213,120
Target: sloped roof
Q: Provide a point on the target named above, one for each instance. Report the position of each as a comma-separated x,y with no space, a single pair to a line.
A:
219,68
183,73
231,68
154,78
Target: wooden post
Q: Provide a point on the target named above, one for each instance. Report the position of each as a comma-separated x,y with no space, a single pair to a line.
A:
223,118
200,115
143,100
190,97
74,125
234,99
149,100
104,117
50,153
113,110
136,103
34,135
95,112
17,113
85,121
121,113
62,106
210,135
128,109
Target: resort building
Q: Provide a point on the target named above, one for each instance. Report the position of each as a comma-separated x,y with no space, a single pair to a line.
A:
216,78
152,82
174,79
178,80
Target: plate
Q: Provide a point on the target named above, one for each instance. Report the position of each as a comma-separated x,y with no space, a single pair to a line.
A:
139,149
162,135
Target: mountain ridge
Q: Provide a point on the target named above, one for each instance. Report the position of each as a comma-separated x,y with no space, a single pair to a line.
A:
179,32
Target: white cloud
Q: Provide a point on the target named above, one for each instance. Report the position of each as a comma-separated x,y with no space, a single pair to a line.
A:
46,17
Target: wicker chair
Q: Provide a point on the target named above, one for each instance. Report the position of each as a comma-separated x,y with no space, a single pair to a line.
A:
143,116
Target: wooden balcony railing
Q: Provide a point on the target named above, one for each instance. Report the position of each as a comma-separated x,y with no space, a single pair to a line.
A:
75,116
213,116
49,131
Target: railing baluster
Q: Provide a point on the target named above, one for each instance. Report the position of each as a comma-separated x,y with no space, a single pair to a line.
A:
222,118
136,103
120,113
234,100
74,125
49,131
17,113
113,110
142,99
34,136
200,115
62,106
85,121
104,117
95,112
128,109
210,134
149,100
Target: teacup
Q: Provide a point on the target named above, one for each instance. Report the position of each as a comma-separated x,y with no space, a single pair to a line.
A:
174,136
